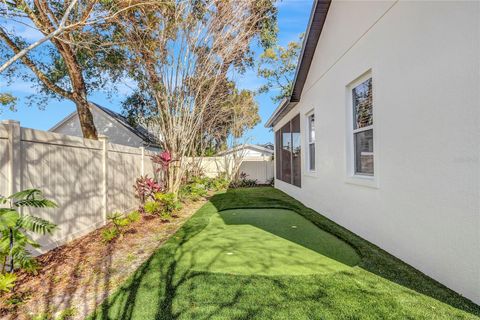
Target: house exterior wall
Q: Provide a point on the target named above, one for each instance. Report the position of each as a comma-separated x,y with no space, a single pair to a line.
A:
423,206
115,131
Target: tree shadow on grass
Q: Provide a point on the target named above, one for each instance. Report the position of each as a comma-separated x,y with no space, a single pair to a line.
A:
373,259
165,287
151,292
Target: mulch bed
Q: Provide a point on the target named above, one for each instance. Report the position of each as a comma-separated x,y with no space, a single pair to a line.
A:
75,278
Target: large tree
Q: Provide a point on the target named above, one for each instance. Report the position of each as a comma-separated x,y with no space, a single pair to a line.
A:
230,113
180,53
228,116
277,66
78,55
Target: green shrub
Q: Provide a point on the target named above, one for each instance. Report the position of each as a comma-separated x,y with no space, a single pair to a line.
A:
109,234
133,216
243,182
119,221
152,207
66,314
15,229
193,191
220,183
198,190
184,193
42,316
164,205
198,187
168,202
7,281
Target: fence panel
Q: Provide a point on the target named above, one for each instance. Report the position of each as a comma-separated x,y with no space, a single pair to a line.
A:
124,167
68,170
258,169
87,178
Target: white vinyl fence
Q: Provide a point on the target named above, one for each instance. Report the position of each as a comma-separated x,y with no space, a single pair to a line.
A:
87,179
256,168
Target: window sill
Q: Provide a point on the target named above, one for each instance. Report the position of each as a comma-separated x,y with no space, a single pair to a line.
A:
365,181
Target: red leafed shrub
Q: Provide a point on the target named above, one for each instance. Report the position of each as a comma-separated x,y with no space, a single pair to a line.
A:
145,188
162,159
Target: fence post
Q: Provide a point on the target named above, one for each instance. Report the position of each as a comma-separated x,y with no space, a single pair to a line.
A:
14,156
142,167
104,140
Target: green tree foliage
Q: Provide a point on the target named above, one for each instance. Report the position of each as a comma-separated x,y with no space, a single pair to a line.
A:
7,101
82,58
277,65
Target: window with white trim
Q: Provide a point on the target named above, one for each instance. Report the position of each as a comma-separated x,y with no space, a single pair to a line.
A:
362,104
311,141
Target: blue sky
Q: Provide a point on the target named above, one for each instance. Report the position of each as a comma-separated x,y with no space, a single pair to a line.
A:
292,20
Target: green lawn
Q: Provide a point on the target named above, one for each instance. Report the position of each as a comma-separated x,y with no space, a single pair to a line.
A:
259,254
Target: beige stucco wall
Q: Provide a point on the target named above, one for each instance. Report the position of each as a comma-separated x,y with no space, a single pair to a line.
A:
424,204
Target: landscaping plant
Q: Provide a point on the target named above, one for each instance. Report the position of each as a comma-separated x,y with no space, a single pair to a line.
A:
220,183
198,187
109,234
7,281
120,223
243,182
164,205
145,188
169,203
152,207
163,161
14,228
192,191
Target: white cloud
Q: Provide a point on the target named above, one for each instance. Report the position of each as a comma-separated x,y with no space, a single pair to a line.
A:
30,34
18,87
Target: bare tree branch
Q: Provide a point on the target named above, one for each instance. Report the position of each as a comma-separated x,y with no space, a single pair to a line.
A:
24,51
30,64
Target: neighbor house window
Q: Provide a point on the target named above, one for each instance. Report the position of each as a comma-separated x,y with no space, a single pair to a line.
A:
311,141
362,103
287,156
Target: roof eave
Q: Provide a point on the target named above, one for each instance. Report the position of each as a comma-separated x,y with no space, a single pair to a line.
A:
273,118
314,29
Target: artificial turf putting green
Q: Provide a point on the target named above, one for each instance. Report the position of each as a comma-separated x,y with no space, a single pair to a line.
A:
265,242
173,283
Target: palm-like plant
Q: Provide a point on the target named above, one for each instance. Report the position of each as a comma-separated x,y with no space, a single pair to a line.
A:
14,228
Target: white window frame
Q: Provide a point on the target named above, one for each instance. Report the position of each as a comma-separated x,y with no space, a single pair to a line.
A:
351,176
310,142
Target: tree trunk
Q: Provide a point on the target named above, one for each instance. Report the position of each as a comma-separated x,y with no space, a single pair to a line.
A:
86,118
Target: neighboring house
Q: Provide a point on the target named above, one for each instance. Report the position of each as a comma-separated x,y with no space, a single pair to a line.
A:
381,131
111,124
249,151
